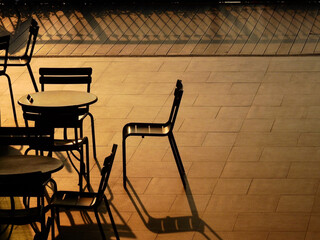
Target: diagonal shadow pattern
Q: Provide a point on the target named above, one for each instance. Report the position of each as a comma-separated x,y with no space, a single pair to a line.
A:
162,31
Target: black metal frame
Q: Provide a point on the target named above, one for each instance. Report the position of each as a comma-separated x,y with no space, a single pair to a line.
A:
55,76
25,59
4,47
86,200
156,130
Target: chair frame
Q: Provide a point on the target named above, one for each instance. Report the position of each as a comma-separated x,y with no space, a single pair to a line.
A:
25,59
56,76
50,120
4,46
156,130
86,200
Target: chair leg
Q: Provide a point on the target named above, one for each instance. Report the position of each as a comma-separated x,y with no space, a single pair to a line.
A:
82,170
93,136
87,175
47,228
111,218
99,224
177,158
57,212
124,162
32,77
12,100
52,230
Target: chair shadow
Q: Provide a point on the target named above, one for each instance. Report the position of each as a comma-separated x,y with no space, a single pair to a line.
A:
90,230
169,224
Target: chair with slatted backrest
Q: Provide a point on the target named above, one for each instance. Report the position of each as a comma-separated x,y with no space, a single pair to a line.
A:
71,76
26,186
61,120
25,59
86,200
32,137
4,48
156,130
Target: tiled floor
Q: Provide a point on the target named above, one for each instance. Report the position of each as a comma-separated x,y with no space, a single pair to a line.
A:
247,131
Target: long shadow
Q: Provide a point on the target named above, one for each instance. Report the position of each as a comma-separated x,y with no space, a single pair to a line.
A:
90,230
169,224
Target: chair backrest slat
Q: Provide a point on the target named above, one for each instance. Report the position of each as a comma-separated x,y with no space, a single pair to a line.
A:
25,136
106,170
65,76
176,104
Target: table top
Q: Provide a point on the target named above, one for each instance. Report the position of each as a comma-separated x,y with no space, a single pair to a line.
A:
57,99
20,164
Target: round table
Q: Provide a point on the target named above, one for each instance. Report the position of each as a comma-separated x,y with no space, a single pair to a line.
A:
57,99
22,164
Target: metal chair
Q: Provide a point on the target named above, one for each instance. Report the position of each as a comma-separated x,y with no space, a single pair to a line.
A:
156,130
26,186
70,76
67,119
86,200
25,59
4,47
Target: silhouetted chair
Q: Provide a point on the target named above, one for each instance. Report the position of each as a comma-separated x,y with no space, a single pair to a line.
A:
4,47
25,59
86,200
62,76
156,130
32,137
26,186
61,119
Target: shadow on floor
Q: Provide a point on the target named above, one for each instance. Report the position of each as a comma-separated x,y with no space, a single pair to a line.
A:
169,224
89,229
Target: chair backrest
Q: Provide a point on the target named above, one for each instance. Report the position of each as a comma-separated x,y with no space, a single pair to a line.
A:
33,33
65,76
21,185
51,120
25,136
4,47
67,118
106,170
176,104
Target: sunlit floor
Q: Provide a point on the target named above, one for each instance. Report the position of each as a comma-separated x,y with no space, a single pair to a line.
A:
248,135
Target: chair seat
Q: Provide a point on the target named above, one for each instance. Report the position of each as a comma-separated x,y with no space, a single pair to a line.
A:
144,129
60,145
69,199
69,142
19,216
